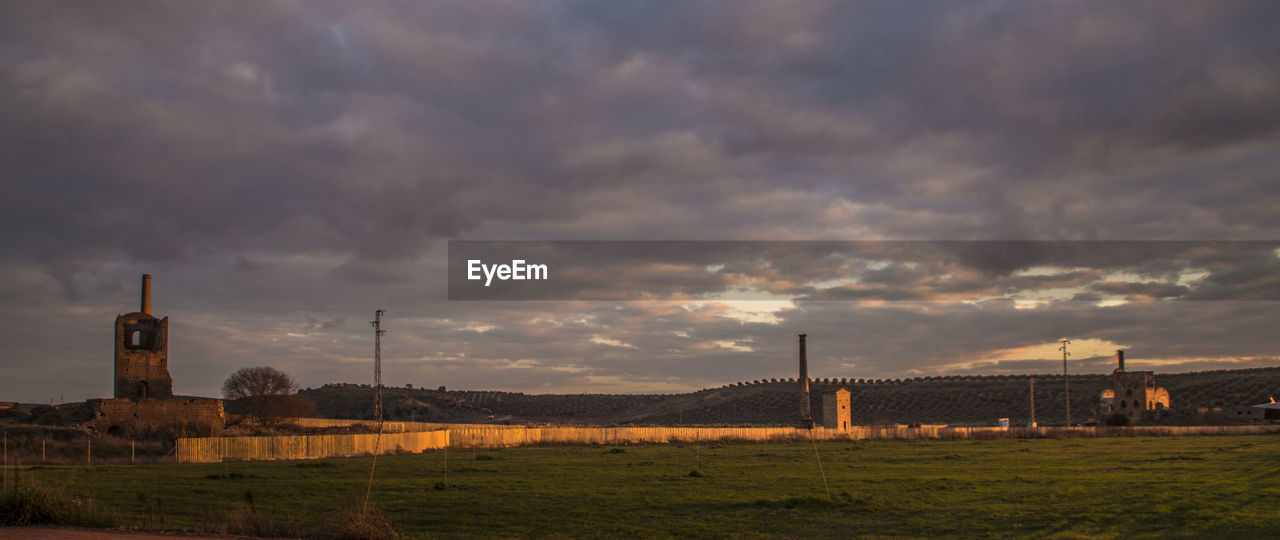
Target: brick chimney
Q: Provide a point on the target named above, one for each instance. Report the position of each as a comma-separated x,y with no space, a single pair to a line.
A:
146,294
805,415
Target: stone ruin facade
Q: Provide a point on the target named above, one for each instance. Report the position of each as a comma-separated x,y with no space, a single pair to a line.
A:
1133,394
142,352
836,411
144,403
155,417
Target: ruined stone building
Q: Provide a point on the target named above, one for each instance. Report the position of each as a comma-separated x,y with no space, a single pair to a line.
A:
836,413
142,352
144,402
1133,394
1106,401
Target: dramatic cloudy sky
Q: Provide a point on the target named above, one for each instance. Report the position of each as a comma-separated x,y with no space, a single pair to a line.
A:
285,168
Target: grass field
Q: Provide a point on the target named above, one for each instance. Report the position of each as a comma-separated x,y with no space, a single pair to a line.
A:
1105,487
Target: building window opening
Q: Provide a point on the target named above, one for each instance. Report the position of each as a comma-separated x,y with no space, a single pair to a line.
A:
142,390
135,339
1124,404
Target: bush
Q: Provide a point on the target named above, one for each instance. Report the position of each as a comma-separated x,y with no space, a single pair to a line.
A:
352,524
1117,419
266,394
271,410
31,505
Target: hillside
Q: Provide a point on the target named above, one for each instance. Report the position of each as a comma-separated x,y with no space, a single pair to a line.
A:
975,400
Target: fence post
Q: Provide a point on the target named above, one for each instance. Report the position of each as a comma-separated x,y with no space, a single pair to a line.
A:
42,441
88,451
131,451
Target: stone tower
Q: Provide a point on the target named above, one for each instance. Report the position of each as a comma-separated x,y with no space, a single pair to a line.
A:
836,412
142,352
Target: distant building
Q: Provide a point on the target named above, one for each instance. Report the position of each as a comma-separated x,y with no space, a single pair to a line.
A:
1133,394
836,413
1266,411
144,402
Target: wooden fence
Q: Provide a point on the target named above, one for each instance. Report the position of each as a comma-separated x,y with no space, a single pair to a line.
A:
214,449
486,437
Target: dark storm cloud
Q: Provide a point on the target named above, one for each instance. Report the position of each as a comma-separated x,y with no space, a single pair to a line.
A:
377,129
278,161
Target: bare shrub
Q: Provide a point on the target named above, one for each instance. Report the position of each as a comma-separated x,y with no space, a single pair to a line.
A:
34,505
352,524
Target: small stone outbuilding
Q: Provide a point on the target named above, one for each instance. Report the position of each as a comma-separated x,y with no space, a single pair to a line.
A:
836,411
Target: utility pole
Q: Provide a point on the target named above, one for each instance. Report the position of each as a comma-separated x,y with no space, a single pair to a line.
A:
1033,403
1065,380
377,364
806,413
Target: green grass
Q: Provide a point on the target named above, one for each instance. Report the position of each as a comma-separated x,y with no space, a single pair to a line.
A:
1106,487
32,505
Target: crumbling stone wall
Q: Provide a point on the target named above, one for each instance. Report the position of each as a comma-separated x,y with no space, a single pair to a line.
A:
127,417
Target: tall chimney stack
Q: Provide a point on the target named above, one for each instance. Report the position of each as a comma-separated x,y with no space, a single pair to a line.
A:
146,293
1120,360
805,415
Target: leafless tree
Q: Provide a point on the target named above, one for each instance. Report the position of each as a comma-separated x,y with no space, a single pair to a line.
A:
266,394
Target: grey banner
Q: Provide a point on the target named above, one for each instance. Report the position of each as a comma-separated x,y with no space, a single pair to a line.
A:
955,271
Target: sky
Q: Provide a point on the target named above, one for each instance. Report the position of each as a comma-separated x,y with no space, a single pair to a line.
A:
285,168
